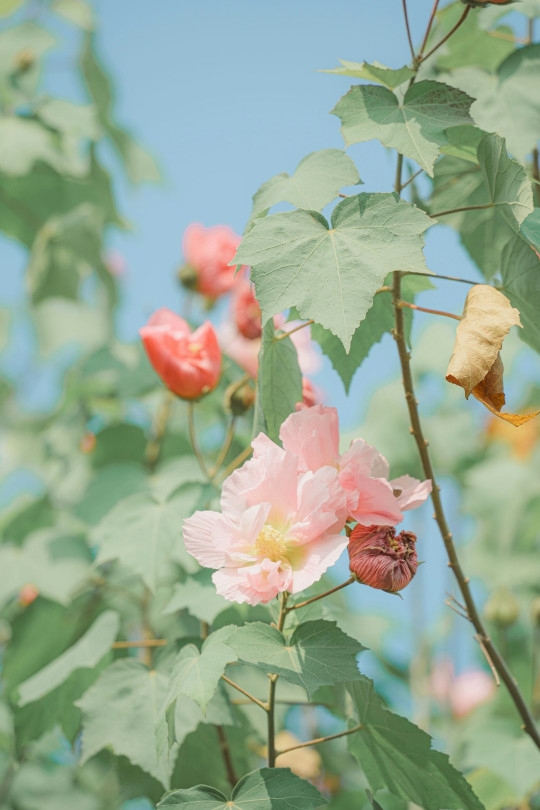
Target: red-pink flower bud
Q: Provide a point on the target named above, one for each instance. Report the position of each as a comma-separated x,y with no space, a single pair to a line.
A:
28,594
247,313
189,363
381,559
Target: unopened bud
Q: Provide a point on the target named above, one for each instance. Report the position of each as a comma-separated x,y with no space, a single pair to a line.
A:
28,594
381,559
502,608
535,611
188,277
24,60
239,399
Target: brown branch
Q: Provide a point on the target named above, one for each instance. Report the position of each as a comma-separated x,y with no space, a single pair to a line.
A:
410,180
226,754
447,37
428,30
433,275
320,740
463,582
464,208
408,27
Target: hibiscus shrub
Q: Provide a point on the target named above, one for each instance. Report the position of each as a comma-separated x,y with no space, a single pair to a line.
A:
200,570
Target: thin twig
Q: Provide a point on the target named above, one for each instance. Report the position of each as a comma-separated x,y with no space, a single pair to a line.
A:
153,447
251,697
536,171
142,643
320,740
428,31
321,595
224,450
463,208
226,754
434,275
292,331
410,180
487,656
447,37
456,610
508,37
193,439
422,444
408,27
430,311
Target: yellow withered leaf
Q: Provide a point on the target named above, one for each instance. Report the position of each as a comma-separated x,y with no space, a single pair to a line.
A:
476,364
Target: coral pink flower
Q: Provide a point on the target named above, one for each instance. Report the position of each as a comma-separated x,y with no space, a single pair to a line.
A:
28,594
278,530
381,559
208,251
189,363
247,312
313,434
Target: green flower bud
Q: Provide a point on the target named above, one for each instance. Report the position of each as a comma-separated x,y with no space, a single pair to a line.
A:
187,276
502,608
239,399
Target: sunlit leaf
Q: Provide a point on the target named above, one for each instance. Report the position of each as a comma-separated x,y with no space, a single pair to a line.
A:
374,72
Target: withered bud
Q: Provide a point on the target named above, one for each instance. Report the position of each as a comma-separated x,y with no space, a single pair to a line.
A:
239,398
381,559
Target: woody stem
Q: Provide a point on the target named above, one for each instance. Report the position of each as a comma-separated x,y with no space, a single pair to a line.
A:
193,439
406,304
321,595
272,690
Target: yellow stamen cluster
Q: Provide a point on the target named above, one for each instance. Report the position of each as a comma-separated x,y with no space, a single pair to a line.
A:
270,545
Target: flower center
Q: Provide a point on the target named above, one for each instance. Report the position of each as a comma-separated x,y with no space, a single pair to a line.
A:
270,545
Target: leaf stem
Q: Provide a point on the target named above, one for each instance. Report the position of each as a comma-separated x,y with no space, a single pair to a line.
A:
236,462
428,29
226,754
447,37
406,304
463,208
239,688
408,27
320,740
153,447
321,595
292,331
273,678
410,180
193,438
435,275
224,450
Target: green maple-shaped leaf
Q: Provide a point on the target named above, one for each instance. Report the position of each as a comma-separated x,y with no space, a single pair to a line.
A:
332,274
397,756
415,126
497,183
85,653
507,102
315,182
197,674
317,654
265,789
520,272
143,532
122,711
374,72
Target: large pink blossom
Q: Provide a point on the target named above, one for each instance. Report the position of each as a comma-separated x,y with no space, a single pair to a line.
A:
313,435
279,528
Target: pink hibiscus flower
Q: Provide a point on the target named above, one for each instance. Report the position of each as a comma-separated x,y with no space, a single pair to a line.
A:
279,528
313,435
208,252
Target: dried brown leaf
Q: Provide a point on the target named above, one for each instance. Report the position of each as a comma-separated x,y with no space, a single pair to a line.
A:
476,364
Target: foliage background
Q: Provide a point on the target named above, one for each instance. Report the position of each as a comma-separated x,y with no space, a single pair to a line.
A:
225,96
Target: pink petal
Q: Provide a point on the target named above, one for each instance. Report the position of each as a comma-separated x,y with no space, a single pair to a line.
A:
167,318
322,506
208,536
319,557
253,584
313,435
413,492
370,500
363,458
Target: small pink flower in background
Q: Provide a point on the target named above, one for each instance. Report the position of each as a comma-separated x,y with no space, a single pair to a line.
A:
313,435
115,263
245,352
310,396
464,692
208,252
189,363
247,312
381,559
28,594
279,529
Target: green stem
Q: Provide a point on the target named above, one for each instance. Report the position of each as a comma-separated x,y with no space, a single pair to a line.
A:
240,689
272,690
236,462
321,595
447,37
224,450
153,447
463,208
292,331
320,740
408,27
193,439
428,29
435,275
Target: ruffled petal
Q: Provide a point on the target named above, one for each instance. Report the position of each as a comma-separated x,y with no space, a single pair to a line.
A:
413,493
313,435
363,458
371,500
317,560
